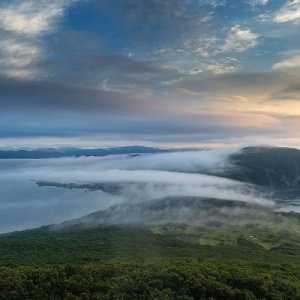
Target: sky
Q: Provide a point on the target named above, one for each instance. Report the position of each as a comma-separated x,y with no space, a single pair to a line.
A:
169,73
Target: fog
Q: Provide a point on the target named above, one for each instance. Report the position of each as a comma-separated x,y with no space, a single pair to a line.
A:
23,204
188,211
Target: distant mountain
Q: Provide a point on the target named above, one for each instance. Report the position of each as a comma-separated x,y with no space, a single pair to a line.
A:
272,167
75,152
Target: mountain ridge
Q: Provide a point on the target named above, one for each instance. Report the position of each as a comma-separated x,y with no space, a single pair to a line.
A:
41,153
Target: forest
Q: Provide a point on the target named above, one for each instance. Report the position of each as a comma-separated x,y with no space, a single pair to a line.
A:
131,262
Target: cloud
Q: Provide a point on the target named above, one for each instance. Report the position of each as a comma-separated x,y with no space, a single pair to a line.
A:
118,73
75,111
17,57
145,177
195,71
138,179
290,12
290,63
257,2
246,84
171,82
182,31
31,17
186,161
22,23
287,93
129,126
239,40
32,96
139,20
61,76
218,68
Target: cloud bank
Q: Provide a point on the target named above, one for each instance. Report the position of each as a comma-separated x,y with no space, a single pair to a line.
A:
138,181
146,177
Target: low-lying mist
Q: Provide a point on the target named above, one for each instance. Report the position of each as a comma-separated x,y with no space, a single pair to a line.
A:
194,211
139,178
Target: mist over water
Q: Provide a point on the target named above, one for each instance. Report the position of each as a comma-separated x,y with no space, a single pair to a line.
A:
24,204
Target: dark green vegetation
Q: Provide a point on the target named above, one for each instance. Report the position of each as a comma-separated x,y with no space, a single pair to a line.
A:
276,168
158,279
248,260
134,263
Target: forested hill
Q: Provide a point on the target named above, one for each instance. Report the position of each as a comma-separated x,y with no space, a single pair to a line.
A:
161,262
273,167
249,258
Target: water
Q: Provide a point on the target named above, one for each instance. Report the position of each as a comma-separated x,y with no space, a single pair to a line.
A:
24,205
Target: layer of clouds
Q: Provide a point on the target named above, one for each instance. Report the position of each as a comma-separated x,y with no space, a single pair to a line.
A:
183,161
240,39
251,85
290,12
72,79
20,94
149,176
286,94
22,23
216,109
257,2
290,63
32,17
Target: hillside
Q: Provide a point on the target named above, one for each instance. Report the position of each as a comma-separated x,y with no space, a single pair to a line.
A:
272,167
188,220
169,261
193,211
